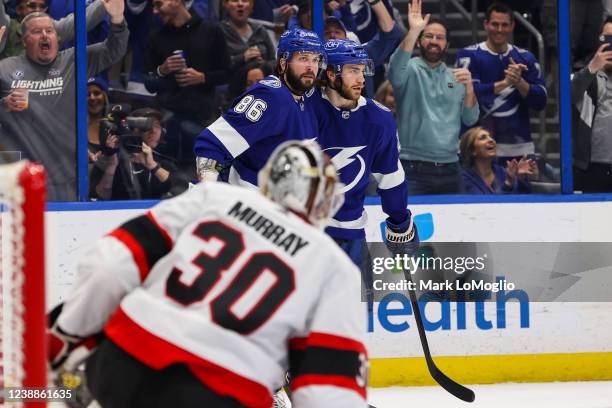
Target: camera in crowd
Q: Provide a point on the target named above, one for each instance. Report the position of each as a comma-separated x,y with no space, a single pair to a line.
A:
119,123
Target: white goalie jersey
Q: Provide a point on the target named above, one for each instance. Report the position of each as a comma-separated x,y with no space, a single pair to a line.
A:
235,287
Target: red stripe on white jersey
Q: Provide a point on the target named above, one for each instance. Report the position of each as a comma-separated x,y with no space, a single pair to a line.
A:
138,253
167,236
328,341
157,353
334,380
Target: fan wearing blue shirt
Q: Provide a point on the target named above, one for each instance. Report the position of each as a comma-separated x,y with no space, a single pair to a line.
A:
433,101
508,83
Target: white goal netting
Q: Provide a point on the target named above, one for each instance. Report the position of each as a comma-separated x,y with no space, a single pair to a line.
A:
22,283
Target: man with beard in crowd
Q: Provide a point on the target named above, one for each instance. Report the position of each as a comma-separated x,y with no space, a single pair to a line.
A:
271,112
432,103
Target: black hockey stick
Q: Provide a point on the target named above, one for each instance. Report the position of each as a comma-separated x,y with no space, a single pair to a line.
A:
448,384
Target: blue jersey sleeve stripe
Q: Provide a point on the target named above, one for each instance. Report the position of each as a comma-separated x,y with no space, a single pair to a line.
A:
229,137
387,181
359,223
543,88
235,179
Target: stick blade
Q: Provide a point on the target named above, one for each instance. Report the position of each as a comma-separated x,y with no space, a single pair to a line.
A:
458,390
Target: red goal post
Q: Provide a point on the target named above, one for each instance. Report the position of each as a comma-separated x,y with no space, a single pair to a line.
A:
23,361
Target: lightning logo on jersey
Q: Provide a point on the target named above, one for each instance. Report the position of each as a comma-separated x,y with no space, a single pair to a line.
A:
500,101
345,157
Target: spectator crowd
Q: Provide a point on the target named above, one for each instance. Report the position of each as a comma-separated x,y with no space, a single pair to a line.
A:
162,71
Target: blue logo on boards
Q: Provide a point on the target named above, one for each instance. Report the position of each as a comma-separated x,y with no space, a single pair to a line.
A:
393,311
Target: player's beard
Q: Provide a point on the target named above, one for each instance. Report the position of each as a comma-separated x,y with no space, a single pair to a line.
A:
296,83
344,91
430,55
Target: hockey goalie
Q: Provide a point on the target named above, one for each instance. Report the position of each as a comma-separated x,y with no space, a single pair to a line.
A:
208,299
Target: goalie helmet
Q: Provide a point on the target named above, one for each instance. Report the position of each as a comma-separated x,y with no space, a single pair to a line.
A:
300,177
341,52
299,40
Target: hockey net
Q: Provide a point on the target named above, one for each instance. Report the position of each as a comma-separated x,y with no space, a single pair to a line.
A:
22,292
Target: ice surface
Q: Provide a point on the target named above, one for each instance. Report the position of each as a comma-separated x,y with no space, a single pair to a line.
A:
592,394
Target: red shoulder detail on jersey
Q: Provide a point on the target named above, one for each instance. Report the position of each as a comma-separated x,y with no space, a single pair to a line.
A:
137,252
158,353
146,240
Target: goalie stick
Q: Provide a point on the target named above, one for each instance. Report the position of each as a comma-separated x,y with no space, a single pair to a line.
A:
448,384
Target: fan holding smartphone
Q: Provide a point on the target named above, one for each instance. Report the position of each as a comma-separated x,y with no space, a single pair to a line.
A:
592,90
602,60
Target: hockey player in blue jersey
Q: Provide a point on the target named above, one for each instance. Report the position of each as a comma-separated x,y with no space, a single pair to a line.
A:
271,112
508,82
360,135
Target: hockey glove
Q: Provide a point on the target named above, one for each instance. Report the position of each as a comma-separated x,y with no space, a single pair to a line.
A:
72,376
402,238
207,169
60,346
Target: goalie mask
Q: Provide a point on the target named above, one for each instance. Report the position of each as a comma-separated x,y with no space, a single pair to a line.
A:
300,177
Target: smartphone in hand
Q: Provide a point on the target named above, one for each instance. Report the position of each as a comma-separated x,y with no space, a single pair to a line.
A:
606,39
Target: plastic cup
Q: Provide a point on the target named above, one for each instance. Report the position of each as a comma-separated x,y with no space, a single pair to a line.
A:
23,97
181,54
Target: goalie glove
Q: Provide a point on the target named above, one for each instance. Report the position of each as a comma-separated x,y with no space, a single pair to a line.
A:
60,346
71,375
402,238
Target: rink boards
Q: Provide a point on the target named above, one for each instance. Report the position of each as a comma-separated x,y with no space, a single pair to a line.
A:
568,341
554,342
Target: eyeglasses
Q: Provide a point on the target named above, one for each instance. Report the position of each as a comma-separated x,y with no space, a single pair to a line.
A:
36,6
430,37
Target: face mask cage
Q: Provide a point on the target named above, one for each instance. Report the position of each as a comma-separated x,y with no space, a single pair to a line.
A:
332,198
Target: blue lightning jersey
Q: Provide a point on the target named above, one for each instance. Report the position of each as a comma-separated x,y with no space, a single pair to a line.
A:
505,114
362,141
263,117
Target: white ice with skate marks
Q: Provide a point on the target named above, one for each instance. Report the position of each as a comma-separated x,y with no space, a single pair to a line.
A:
595,394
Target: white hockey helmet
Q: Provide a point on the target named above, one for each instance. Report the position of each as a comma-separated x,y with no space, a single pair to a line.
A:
300,177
